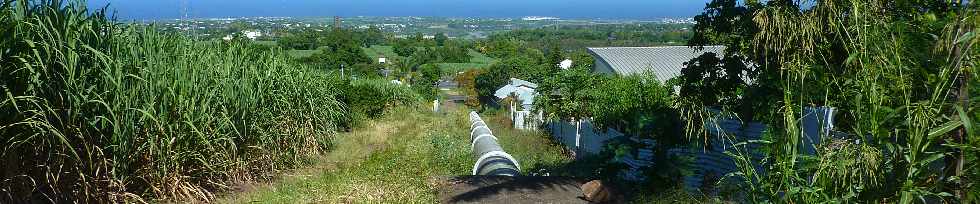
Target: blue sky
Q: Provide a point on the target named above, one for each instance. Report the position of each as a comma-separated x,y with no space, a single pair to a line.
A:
619,9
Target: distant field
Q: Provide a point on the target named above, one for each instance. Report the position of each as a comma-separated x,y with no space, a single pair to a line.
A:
376,50
481,58
300,53
477,61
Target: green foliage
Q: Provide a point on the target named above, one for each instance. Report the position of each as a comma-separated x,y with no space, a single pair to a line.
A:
427,81
341,50
713,80
97,112
404,48
424,56
370,37
581,59
453,52
499,74
638,106
369,71
311,39
467,86
376,51
719,79
440,39
239,26
502,48
896,71
572,95
573,37
306,39
555,55
372,97
448,155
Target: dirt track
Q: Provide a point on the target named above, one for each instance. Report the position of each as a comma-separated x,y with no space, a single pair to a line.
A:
510,190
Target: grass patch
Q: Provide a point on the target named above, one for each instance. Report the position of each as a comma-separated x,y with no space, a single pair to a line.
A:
399,158
534,150
477,61
376,51
481,58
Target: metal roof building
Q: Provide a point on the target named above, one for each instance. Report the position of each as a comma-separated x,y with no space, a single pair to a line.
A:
664,62
523,90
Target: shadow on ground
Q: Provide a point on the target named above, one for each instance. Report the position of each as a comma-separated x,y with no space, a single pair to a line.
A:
503,189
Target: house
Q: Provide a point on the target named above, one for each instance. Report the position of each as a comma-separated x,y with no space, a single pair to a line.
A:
252,34
664,62
521,107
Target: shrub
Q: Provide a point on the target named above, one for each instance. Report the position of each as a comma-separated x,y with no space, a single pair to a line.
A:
427,81
371,98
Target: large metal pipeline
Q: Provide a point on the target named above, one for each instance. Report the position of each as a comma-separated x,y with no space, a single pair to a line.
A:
491,159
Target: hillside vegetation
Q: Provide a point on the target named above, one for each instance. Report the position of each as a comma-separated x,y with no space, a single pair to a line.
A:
403,157
95,111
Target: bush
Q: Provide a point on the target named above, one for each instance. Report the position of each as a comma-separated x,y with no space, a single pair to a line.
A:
371,98
427,81
467,85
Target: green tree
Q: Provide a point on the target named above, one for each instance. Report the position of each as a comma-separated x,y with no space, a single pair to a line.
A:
571,95
498,74
341,50
427,81
239,26
404,48
425,56
300,40
453,52
555,54
581,59
440,39
371,36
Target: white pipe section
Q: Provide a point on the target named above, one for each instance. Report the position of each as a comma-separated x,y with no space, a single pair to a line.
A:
479,161
490,155
473,144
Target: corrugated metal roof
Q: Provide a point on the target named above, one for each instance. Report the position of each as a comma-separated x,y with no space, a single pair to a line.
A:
524,91
519,82
665,62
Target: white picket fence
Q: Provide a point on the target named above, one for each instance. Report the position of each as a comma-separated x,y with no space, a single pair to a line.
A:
582,135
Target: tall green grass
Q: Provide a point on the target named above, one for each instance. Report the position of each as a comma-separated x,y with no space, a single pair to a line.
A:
95,111
896,82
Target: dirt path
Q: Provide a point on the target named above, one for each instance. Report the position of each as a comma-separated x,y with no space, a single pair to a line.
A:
390,160
410,156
